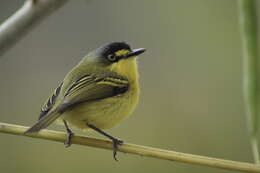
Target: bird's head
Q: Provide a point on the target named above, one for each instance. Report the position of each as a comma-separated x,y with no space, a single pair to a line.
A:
117,57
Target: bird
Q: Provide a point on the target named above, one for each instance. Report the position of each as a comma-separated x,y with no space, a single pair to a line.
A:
98,93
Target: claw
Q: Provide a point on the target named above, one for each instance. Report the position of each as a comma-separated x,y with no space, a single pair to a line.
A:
67,143
116,142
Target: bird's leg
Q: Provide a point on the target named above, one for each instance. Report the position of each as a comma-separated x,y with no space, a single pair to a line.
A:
69,135
115,141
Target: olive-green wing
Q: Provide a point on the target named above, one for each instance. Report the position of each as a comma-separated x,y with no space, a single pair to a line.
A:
87,88
90,88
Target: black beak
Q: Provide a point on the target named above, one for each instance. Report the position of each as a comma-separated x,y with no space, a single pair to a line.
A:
135,52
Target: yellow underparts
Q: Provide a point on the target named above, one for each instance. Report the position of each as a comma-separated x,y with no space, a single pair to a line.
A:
109,112
127,68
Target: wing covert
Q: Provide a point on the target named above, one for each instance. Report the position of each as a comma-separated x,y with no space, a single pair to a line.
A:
90,88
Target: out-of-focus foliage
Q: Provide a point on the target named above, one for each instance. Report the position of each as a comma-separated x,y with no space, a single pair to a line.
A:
191,98
248,25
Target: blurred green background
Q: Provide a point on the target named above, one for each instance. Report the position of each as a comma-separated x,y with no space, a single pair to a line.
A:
191,99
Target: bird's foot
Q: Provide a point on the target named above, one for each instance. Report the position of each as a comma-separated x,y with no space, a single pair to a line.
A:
116,142
68,143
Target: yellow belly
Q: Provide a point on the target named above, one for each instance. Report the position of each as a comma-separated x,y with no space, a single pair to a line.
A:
105,113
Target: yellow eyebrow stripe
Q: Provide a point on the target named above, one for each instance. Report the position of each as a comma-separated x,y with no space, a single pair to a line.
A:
122,52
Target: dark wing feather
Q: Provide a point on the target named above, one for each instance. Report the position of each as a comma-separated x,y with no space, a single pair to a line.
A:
50,102
90,88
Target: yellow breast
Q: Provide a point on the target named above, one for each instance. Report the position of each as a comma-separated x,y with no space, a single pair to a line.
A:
126,68
109,112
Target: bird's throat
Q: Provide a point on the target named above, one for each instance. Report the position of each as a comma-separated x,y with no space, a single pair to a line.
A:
126,68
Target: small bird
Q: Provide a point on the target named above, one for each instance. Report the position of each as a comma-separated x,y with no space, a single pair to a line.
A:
98,93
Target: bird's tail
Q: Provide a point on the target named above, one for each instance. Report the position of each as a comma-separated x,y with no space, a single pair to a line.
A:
43,122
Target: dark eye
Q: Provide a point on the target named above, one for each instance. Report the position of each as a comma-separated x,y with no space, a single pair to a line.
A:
111,57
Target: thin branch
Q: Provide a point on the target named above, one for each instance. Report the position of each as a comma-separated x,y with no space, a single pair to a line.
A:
248,25
134,149
28,16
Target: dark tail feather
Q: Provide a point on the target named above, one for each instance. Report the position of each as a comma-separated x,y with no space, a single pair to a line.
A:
43,123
